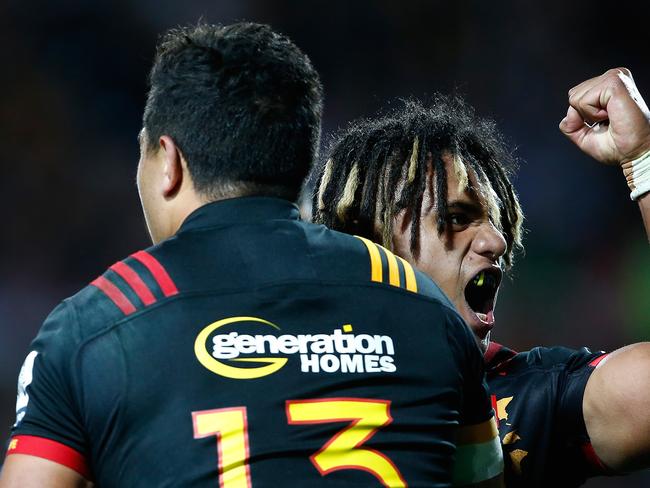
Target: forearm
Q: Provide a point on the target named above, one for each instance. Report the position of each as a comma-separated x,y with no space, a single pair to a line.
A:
637,175
644,206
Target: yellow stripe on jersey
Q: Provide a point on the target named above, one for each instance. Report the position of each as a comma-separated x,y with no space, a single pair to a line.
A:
411,282
393,270
479,457
376,266
376,272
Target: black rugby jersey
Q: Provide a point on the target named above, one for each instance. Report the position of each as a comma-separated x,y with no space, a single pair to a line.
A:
538,395
254,349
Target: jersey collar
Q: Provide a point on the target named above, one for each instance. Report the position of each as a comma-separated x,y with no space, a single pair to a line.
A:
243,210
496,355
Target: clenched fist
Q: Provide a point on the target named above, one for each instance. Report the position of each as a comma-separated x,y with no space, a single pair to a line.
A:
608,119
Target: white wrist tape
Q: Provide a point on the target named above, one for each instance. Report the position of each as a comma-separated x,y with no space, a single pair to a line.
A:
637,174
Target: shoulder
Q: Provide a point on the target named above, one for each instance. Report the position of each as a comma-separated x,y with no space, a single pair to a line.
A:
500,359
361,259
124,288
59,332
559,356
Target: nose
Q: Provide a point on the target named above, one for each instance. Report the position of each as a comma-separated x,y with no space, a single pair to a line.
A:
489,242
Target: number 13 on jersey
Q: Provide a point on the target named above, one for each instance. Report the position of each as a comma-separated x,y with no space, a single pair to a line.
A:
343,451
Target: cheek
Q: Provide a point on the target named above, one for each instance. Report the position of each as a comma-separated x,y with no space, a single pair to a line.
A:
138,177
144,191
441,264
143,180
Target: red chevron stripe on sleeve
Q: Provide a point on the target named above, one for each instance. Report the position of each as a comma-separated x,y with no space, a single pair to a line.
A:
159,273
135,282
114,293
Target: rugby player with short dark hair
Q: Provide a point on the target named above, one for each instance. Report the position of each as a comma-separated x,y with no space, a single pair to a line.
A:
248,348
432,185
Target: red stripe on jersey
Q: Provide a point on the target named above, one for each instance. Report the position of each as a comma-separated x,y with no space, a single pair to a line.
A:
158,271
593,459
134,281
50,450
492,350
595,362
493,398
114,293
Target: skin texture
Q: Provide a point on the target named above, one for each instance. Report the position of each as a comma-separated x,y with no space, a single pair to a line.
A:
22,471
471,244
617,396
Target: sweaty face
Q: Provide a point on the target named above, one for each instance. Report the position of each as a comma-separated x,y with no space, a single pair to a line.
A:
465,260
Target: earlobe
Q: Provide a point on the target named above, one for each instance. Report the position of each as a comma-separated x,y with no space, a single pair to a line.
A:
172,167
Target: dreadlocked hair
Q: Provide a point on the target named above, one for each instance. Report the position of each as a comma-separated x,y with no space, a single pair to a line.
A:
376,168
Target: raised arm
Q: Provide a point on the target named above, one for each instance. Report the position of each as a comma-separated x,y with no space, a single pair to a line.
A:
644,206
608,120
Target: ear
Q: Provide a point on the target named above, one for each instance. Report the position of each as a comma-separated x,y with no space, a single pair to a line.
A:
402,233
172,167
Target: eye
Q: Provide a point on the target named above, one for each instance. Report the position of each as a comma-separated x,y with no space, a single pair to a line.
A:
458,219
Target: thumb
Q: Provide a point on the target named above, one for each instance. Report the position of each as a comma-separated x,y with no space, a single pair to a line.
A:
572,123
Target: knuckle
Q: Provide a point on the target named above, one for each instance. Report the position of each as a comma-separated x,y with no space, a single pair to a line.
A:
624,70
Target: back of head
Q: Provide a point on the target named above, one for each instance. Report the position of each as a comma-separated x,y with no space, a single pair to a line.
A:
242,103
376,168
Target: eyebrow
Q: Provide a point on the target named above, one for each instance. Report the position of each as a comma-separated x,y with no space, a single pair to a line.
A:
465,206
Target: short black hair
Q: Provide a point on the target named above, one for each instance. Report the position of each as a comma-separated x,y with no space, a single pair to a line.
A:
375,168
242,103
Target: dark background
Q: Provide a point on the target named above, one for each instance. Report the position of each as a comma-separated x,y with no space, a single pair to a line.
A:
72,89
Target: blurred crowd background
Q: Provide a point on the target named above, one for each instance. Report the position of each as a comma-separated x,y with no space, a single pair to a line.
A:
72,89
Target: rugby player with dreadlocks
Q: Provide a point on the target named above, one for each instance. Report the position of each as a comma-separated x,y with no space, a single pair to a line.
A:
432,184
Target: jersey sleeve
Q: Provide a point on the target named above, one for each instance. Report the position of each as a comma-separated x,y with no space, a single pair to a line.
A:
578,366
571,370
48,423
479,456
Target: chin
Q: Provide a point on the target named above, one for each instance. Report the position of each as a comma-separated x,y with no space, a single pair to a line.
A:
480,329
484,343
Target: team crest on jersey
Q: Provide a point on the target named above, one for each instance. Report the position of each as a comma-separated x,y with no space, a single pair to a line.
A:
250,347
24,380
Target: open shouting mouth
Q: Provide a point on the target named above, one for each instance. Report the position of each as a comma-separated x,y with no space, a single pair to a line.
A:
481,292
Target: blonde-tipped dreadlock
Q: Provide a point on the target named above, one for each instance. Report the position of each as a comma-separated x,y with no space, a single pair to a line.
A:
413,160
461,173
325,179
377,168
348,192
